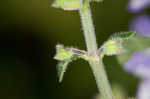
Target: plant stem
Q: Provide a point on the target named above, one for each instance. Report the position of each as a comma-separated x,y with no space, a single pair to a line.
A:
95,62
88,28
101,79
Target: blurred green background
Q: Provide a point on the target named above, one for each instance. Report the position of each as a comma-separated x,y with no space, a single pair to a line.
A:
29,31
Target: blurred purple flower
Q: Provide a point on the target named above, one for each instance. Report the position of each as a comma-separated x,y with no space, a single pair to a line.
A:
139,64
135,6
141,25
144,89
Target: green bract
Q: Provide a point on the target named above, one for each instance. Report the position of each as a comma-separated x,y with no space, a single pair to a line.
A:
114,44
67,4
62,54
70,4
112,47
65,56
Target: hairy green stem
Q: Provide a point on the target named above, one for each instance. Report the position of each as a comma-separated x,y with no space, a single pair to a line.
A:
88,28
95,62
101,79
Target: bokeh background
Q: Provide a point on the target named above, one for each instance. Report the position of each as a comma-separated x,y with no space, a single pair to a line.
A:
29,31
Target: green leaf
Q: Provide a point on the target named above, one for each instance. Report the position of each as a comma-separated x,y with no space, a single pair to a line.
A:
63,65
123,35
136,43
96,0
114,44
61,68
